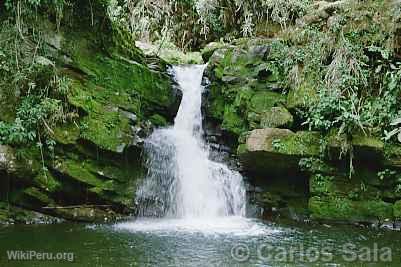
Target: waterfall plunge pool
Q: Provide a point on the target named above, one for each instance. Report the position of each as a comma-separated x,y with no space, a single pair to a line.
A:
179,243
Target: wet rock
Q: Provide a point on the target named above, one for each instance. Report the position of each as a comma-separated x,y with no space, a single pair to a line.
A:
86,214
10,214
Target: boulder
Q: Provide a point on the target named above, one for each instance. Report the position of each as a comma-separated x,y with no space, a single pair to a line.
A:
277,151
210,48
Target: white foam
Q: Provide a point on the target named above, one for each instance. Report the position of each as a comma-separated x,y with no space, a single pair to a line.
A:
238,226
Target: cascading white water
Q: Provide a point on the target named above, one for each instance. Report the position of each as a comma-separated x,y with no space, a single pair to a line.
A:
182,181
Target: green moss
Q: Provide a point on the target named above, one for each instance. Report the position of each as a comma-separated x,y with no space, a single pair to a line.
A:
242,148
109,130
233,122
10,214
302,143
47,182
392,155
124,83
301,97
209,49
338,208
66,133
79,171
108,189
376,209
331,208
264,100
158,120
365,141
320,184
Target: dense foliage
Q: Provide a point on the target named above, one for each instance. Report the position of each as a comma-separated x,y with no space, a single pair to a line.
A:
191,23
353,70
29,81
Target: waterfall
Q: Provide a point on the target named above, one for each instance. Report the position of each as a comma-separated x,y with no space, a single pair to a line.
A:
182,182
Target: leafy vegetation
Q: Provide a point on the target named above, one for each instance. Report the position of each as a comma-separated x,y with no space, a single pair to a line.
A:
353,69
28,79
190,23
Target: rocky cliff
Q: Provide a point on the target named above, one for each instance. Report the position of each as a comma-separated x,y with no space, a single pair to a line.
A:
85,167
296,140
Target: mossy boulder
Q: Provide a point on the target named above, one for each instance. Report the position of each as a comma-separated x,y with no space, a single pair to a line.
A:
367,147
277,150
346,210
262,101
209,49
22,162
66,134
232,121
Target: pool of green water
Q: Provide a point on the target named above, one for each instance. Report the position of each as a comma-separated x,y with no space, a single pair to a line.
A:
172,243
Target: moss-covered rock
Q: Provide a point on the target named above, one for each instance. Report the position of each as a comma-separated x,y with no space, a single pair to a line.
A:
244,87
341,186
233,122
346,210
277,150
209,49
113,97
365,147
66,134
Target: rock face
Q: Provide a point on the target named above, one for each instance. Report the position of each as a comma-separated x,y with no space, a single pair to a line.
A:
95,164
296,173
